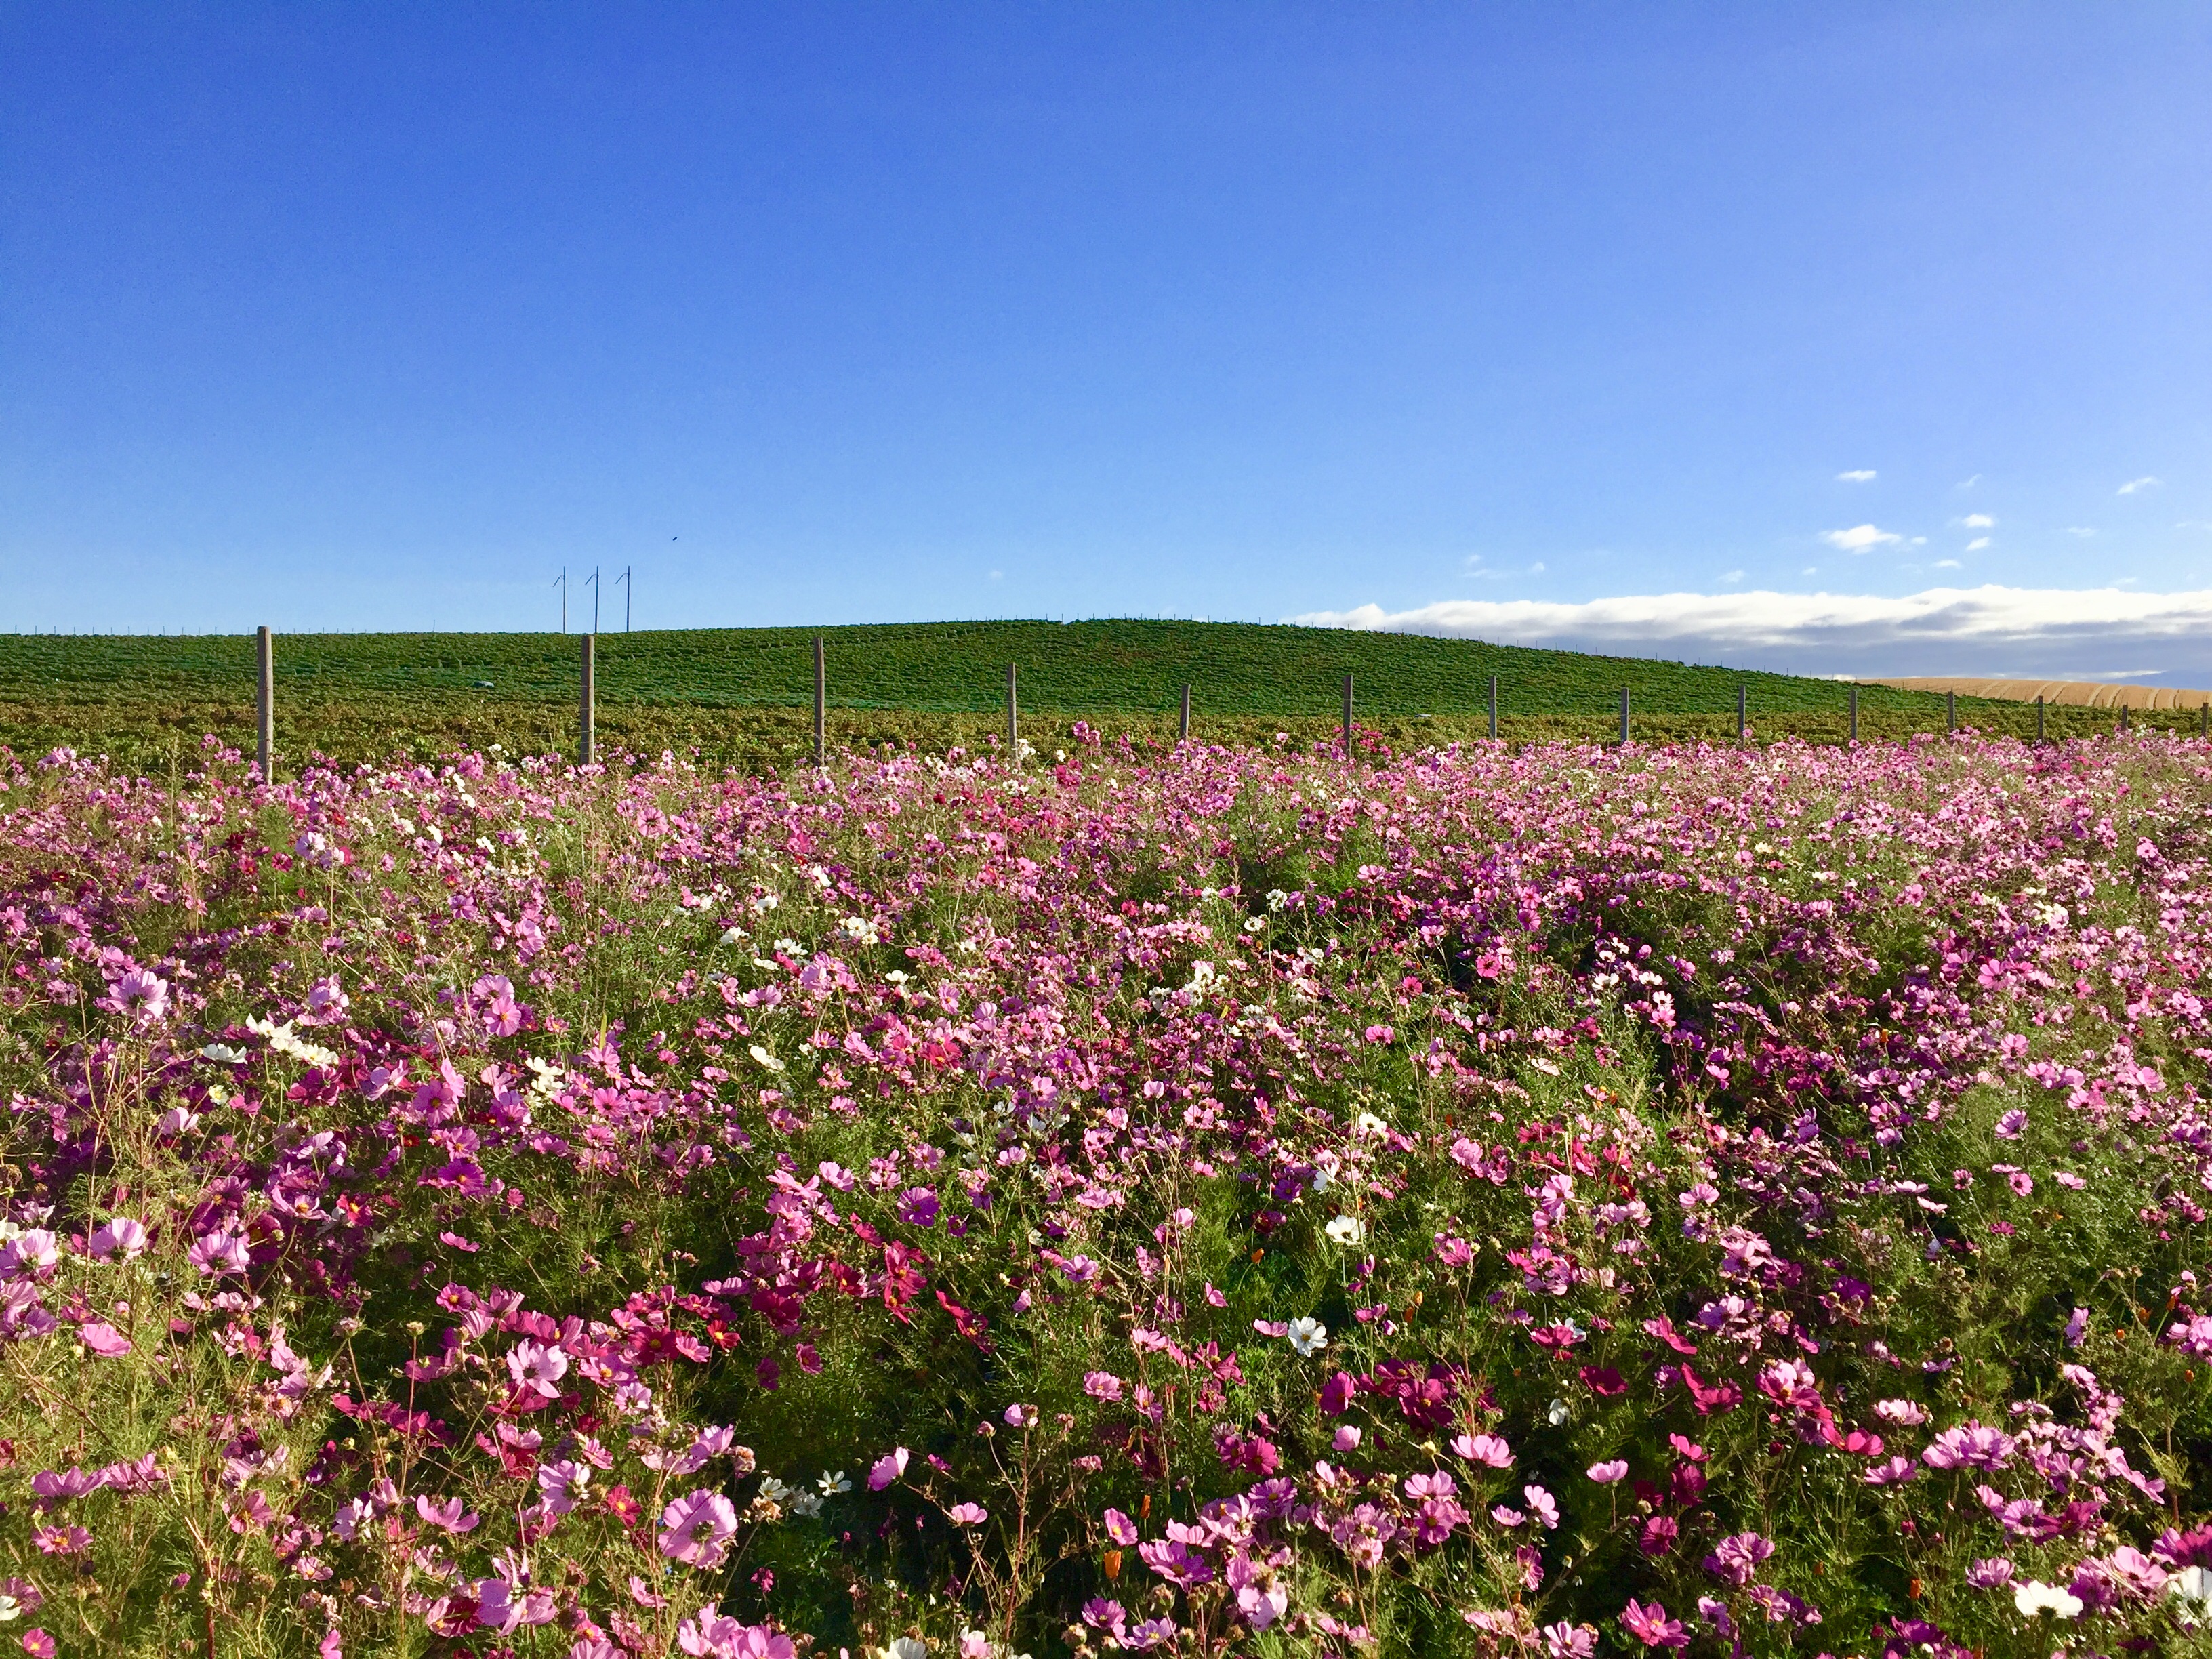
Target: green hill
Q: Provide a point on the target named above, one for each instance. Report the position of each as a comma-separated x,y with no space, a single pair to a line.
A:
742,695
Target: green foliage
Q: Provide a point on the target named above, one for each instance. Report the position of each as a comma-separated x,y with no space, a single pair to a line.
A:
742,696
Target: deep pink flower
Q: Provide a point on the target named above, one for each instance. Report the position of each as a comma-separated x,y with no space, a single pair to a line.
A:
1651,1626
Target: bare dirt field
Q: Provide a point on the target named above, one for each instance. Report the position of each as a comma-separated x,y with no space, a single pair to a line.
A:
2080,693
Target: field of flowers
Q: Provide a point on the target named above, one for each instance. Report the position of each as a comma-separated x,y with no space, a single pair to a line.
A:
1556,1202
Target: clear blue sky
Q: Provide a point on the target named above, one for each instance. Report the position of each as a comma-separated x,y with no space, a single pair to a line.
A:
374,316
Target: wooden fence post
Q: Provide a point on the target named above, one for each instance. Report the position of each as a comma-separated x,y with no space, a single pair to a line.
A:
1950,711
2039,717
587,704
821,693
2124,720
1183,721
265,705
1347,720
1013,720
1494,707
1855,713
2204,721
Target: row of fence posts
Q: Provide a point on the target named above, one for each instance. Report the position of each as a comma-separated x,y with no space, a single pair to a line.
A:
265,708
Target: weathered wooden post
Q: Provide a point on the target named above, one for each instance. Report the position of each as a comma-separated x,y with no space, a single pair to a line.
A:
1855,713
1347,720
2124,720
2204,721
1494,707
587,704
1950,711
1013,720
1740,700
1182,720
821,693
2039,717
265,705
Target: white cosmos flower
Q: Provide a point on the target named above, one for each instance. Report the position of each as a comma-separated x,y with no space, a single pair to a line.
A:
766,1058
2191,1585
1308,1335
2035,1596
833,1483
1346,1229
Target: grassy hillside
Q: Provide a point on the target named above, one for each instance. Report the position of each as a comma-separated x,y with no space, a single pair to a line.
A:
741,695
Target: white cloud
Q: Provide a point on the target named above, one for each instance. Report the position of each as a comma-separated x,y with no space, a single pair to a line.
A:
1810,570
1968,483
1991,629
1537,569
1947,564
1864,474
1977,544
2134,484
1733,576
1978,521
1859,537
998,575
2080,530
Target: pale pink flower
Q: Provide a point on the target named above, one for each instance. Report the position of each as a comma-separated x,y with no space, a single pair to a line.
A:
697,1528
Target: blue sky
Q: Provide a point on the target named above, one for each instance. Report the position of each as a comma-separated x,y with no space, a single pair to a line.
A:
375,317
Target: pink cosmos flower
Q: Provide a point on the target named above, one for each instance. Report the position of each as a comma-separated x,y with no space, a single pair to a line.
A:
537,1368
1175,1560
887,1468
1651,1626
448,1514
104,1339
968,1515
61,1540
711,1633
505,1602
1487,1449
218,1254
1102,1385
1736,1558
30,1251
1607,1473
1970,1445
143,996
1565,1640
564,1484
1119,1528
697,1528
918,1208
120,1236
